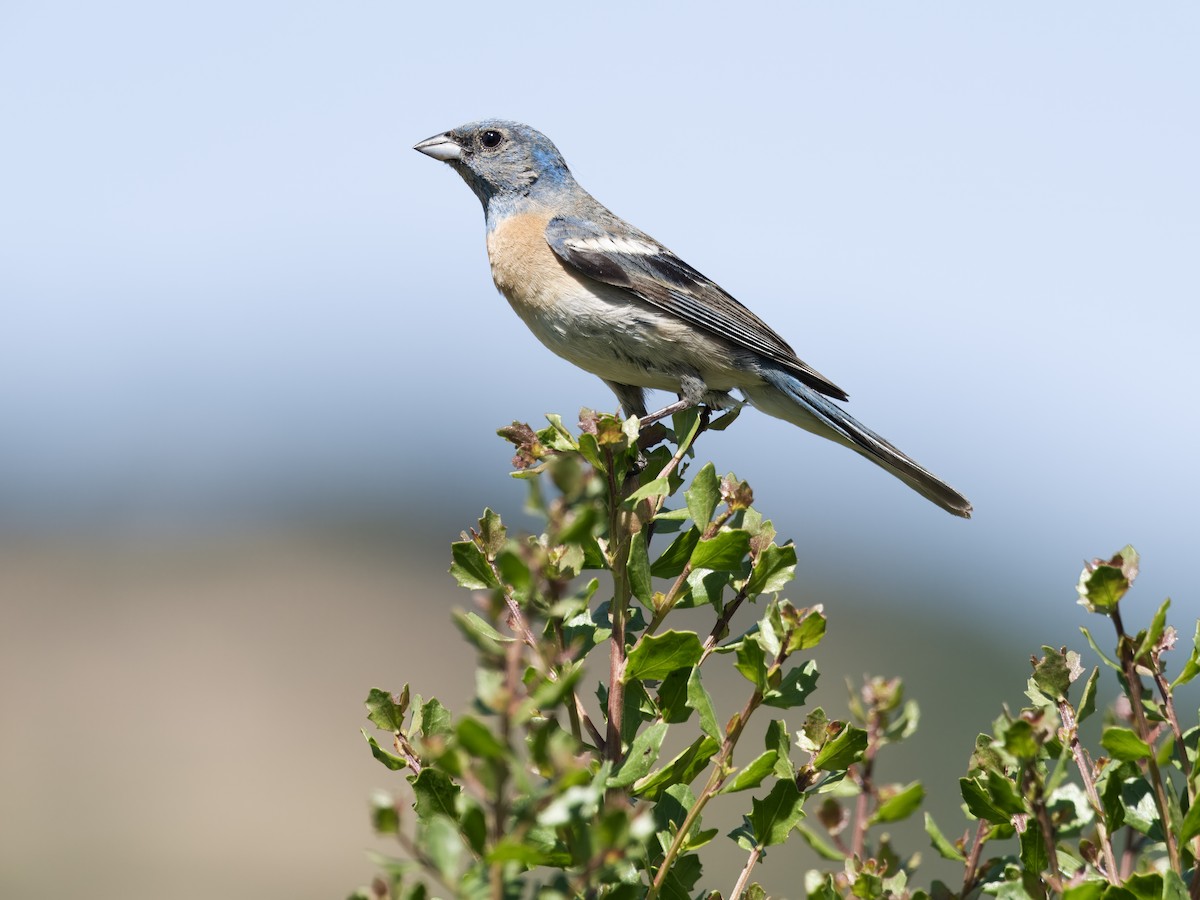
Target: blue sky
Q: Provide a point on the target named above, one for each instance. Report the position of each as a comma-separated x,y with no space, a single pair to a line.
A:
229,289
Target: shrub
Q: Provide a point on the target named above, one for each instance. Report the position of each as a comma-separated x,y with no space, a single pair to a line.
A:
537,791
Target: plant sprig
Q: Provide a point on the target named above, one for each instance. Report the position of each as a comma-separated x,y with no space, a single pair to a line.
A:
548,787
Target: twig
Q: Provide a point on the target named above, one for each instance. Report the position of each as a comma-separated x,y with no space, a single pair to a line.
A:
717,778
1047,829
722,625
972,867
405,749
684,445
672,595
618,548
1124,648
1067,713
1168,702
866,786
1164,691
744,877
577,711
500,769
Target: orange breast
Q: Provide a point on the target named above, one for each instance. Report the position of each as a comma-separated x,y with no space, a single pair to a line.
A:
524,267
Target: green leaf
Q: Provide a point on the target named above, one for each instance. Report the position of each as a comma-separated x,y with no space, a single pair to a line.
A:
1140,809
724,552
673,697
823,848
1033,848
1054,672
752,661
1019,740
723,422
470,567
658,655
774,568
492,533
1173,886
472,822
944,848
904,725
385,711
793,690
576,802
385,817
900,805
440,840
1087,703
1190,826
1004,794
777,739
578,526
681,878
1123,744
707,587
1145,886
773,817
557,435
677,554
670,810
682,770
477,740
1103,583
1070,809
1192,667
703,495
698,699
638,568
637,709
1100,653
432,719
845,749
805,628
686,425
752,774
393,762
643,753
668,521
979,803
658,487
589,449
1154,633
510,849
480,634
436,794
1088,890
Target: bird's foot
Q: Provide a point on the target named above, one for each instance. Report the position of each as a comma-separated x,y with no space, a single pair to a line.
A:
669,410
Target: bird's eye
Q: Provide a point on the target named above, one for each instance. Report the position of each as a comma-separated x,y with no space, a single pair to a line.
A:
491,138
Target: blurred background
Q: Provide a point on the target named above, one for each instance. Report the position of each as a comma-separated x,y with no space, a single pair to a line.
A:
251,365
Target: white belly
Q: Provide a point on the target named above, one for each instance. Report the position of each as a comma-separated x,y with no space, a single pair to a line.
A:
602,329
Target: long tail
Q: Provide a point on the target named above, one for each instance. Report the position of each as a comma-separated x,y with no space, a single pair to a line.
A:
786,398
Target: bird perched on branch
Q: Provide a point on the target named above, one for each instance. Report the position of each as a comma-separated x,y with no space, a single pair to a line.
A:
617,303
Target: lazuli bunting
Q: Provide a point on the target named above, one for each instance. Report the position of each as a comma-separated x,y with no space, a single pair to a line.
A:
617,303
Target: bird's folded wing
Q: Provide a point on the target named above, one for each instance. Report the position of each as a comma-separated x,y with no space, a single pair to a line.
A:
639,264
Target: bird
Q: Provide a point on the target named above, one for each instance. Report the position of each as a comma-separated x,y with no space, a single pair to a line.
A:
609,298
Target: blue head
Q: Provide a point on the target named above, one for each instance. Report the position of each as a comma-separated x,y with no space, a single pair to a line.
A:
501,161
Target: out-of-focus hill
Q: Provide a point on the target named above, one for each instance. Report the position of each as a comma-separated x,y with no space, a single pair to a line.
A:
181,717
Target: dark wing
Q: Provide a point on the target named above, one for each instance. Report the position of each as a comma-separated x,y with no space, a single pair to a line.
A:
645,268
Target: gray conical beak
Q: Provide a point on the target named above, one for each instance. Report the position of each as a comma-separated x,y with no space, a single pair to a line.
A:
441,146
